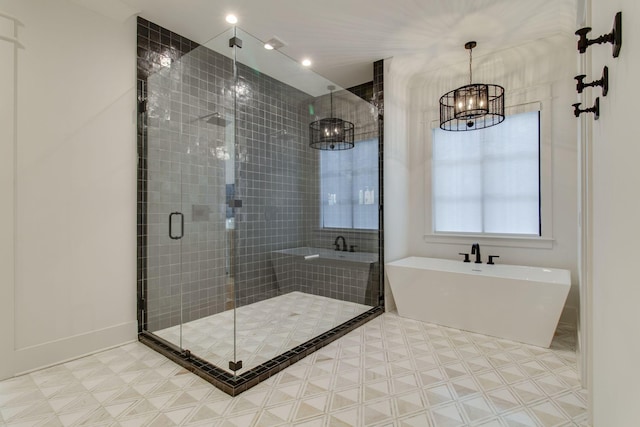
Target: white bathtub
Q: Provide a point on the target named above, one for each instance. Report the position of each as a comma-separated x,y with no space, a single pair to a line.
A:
507,301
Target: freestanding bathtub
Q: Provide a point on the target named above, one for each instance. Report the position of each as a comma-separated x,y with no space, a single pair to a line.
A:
507,301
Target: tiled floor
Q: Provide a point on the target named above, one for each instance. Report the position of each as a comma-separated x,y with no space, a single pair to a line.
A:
265,329
389,372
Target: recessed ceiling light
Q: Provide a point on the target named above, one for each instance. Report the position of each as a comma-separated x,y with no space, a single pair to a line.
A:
232,19
306,62
268,46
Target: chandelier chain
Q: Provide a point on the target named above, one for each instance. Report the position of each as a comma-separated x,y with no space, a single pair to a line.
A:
470,72
331,102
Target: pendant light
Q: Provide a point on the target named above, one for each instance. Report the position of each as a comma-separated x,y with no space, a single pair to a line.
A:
472,107
331,133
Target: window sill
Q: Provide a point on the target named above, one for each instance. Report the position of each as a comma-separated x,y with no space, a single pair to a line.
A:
347,230
502,241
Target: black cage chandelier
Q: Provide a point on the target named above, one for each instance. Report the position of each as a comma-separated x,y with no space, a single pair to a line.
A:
471,107
331,133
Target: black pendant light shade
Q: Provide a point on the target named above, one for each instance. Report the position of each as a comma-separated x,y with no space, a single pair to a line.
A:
471,107
331,133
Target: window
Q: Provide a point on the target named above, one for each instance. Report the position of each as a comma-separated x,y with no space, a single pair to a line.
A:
349,187
488,181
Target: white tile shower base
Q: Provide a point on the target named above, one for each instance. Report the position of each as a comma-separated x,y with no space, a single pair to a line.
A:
264,329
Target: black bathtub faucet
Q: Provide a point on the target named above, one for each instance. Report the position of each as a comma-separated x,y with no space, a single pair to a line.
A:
475,250
344,244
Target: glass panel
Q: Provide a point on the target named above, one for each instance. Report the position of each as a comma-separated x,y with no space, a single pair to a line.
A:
164,206
207,191
190,171
291,285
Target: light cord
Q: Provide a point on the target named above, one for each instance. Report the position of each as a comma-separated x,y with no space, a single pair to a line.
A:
470,72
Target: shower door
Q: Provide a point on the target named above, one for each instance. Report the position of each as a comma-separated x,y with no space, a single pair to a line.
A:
190,206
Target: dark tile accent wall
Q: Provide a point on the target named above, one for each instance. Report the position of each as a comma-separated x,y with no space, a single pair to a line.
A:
364,91
156,43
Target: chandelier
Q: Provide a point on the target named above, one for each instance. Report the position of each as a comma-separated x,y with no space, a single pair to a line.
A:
471,107
331,133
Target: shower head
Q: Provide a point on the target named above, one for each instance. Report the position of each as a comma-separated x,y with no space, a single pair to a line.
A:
214,119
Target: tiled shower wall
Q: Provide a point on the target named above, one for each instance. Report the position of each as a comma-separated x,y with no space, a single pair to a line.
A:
185,167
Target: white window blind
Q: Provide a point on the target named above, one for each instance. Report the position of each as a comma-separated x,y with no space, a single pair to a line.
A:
488,181
349,187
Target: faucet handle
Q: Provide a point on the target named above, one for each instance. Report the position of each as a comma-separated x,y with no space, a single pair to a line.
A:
352,248
491,257
466,257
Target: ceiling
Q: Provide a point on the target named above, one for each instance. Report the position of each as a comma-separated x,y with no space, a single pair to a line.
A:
344,37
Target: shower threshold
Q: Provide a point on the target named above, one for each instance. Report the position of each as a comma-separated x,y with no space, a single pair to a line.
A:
270,335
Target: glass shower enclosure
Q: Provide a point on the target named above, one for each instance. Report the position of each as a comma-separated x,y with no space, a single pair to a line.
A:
247,258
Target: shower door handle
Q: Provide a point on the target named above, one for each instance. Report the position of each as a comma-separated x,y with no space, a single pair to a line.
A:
179,236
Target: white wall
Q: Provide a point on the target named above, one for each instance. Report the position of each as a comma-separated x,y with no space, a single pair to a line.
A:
7,185
75,273
547,63
396,168
615,320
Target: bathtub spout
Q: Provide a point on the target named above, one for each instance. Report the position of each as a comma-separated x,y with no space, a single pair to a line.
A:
475,250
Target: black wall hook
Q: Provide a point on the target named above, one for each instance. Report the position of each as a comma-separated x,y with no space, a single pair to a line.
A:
614,37
604,82
595,109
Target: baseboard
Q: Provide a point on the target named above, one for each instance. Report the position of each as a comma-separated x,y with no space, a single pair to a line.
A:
51,353
389,301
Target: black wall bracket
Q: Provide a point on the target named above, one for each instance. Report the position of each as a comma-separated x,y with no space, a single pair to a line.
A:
614,37
604,82
595,109
235,42
235,366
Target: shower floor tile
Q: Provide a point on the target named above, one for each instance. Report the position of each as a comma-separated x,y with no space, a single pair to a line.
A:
264,329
